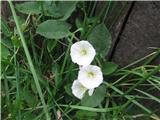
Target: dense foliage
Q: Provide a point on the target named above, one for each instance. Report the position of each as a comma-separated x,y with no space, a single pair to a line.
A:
37,71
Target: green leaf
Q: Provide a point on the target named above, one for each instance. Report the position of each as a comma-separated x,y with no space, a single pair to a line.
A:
58,78
4,52
29,98
51,44
83,115
79,23
68,89
96,98
5,28
20,19
53,29
36,8
100,38
91,20
29,8
66,8
61,10
7,42
108,68
50,9
29,115
16,41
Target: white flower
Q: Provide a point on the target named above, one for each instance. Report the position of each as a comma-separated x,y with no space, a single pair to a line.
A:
82,53
90,76
79,90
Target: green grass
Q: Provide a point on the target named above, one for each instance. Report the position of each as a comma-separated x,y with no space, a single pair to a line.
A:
36,78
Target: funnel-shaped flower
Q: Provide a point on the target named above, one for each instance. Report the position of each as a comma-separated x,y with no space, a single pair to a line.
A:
79,90
82,53
90,76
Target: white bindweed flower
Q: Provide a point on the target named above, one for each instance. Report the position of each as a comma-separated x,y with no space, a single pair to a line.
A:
82,53
79,90
90,76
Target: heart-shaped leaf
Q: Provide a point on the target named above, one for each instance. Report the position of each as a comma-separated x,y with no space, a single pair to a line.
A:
61,9
29,8
109,68
66,8
100,38
96,98
53,29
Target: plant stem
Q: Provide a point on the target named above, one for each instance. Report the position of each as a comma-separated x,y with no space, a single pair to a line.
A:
6,89
84,23
17,84
145,78
93,9
42,9
0,70
33,49
152,57
102,114
106,13
129,98
89,7
139,60
35,76
117,16
98,61
66,55
95,22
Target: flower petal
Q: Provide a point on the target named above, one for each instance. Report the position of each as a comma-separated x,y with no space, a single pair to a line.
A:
82,53
78,89
90,76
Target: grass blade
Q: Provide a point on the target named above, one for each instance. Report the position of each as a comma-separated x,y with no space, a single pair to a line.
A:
92,109
17,85
149,95
35,76
129,98
145,78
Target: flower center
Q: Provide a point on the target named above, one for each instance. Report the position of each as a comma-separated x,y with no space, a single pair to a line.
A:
91,74
82,88
83,52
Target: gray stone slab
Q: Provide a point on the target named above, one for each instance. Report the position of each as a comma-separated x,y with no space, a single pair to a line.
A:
142,31
118,25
